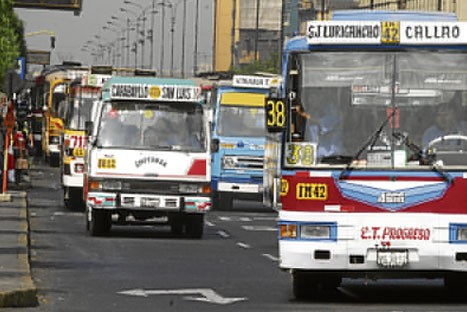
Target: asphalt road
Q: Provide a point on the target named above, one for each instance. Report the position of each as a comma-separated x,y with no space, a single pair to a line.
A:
233,268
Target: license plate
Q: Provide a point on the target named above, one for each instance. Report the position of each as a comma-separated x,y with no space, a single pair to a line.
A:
392,258
150,202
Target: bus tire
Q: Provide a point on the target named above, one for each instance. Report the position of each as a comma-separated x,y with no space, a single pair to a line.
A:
54,160
455,284
194,225
304,286
308,285
222,201
176,224
100,223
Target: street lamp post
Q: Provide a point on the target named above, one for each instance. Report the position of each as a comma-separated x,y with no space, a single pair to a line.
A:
164,5
136,33
195,56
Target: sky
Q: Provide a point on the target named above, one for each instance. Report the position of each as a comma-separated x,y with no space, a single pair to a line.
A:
74,33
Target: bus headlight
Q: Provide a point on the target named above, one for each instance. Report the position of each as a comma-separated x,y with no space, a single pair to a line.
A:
188,188
112,185
458,233
462,234
312,231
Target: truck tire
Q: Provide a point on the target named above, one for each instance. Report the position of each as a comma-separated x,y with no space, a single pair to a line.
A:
194,225
222,201
100,223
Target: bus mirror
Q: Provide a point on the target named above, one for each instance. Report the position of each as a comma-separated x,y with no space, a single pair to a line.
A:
88,126
214,145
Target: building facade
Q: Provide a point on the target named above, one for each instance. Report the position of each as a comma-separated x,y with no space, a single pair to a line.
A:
246,31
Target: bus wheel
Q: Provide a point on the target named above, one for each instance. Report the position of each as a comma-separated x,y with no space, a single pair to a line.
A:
304,286
176,224
100,223
222,201
312,286
194,225
455,283
55,160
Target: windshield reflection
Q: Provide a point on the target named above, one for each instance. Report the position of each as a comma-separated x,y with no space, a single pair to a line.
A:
159,126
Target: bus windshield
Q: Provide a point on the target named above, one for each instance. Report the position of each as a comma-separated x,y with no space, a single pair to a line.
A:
149,125
241,121
80,113
363,106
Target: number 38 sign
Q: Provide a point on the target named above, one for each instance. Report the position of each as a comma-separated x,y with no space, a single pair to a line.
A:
276,115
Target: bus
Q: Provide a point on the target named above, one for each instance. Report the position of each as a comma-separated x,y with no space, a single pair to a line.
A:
83,92
148,158
57,79
366,158
238,137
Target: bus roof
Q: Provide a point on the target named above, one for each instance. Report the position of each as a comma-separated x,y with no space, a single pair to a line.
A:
367,15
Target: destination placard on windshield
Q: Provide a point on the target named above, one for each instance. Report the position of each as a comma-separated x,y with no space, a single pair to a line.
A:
250,81
154,92
375,32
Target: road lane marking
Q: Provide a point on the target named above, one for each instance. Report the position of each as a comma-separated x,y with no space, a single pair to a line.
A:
204,294
271,257
243,245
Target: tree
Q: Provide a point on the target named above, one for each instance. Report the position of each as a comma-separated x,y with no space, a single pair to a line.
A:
12,43
271,65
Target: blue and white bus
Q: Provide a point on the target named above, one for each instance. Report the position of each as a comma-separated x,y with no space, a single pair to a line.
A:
366,160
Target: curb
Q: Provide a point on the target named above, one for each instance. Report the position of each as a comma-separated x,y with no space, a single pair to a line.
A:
21,291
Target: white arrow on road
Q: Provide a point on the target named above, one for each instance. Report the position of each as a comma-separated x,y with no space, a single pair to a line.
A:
206,294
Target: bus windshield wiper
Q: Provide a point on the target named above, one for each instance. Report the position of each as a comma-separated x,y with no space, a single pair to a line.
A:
370,142
404,138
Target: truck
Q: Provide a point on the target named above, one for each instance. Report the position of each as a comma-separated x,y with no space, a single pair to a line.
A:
148,158
238,137
363,184
83,92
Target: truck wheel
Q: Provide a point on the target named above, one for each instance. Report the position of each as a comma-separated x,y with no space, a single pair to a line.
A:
194,225
222,201
101,222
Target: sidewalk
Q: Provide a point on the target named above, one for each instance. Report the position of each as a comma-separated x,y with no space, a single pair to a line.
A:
17,289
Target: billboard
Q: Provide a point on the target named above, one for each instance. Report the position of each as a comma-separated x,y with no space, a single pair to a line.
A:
71,5
38,57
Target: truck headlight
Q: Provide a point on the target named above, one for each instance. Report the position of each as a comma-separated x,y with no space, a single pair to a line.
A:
229,162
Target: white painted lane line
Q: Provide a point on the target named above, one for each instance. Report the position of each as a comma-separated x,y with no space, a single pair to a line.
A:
259,228
243,245
271,257
209,223
223,234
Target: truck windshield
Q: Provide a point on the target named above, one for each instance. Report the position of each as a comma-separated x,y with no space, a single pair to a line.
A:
149,125
363,106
